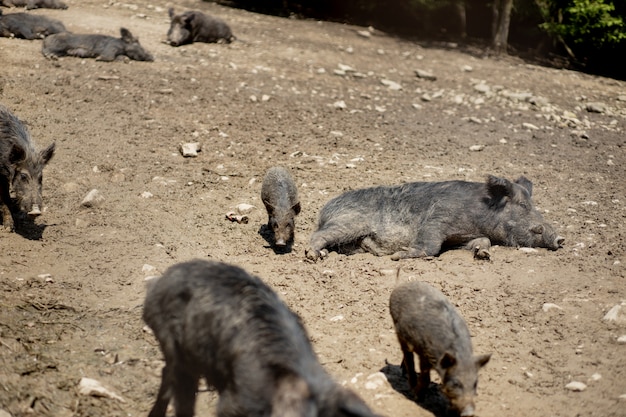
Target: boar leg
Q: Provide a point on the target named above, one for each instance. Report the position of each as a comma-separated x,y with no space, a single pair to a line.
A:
480,247
408,365
334,234
424,377
184,390
5,201
164,395
428,243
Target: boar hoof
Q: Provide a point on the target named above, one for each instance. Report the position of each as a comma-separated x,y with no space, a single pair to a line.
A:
314,254
482,253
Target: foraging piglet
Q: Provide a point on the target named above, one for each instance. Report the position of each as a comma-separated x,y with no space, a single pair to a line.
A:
280,197
421,219
28,26
21,169
428,325
216,321
101,47
34,4
195,26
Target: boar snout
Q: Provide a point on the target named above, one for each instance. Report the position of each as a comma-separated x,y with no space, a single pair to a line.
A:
281,243
34,211
468,411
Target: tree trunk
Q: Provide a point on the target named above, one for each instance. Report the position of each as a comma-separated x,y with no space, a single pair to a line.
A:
459,6
501,39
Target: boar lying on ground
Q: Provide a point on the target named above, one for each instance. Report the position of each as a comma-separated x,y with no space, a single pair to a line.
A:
21,169
280,197
421,219
194,26
34,4
101,47
428,325
215,321
28,26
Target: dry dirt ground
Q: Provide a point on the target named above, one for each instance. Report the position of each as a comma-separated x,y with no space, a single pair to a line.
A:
72,284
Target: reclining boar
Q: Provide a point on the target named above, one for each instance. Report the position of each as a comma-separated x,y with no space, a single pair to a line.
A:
216,321
21,169
428,325
101,47
421,219
28,26
34,4
194,26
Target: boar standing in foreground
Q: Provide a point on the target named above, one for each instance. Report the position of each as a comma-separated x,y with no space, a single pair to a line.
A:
428,325
21,169
34,4
28,26
101,47
421,219
194,26
216,321
280,197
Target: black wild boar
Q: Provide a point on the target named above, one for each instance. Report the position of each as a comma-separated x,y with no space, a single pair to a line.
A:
421,219
194,26
28,26
215,321
428,325
101,47
21,169
280,197
34,4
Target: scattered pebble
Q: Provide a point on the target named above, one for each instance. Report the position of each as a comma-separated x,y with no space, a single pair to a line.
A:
147,194
339,104
392,85
614,314
576,386
482,88
550,306
622,339
88,386
92,198
337,318
375,381
476,148
596,107
529,126
528,250
190,149
244,208
426,75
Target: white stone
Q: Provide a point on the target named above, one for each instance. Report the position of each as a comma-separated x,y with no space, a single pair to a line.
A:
576,386
375,381
147,194
476,148
92,198
340,104
622,339
613,314
391,84
244,208
88,386
190,149
482,88
528,250
337,318
550,306
529,126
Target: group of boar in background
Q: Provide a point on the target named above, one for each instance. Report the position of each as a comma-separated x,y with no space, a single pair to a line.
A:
215,321
185,28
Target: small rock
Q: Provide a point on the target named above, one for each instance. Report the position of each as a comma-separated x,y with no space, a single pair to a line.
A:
364,33
576,386
467,68
88,386
476,148
426,75
190,149
550,306
482,88
375,381
621,340
92,198
147,194
265,98
528,250
596,377
529,126
339,104
614,314
392,85
346,68
244,208
417,106
337,318
596,107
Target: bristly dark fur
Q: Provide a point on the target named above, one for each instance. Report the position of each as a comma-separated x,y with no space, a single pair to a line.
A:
216,321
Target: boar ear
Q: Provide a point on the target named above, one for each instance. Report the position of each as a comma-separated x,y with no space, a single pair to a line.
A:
526,183
48,153
292,398
537,229
170,11
482,360
17,154
448,360
127,36
296,208
499,188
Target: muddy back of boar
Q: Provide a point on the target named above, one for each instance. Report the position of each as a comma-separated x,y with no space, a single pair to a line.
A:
421,219
428,325
216,321
21,169
280,197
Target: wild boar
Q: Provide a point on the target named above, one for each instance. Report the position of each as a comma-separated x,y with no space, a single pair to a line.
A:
195,26
28,26
280,197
